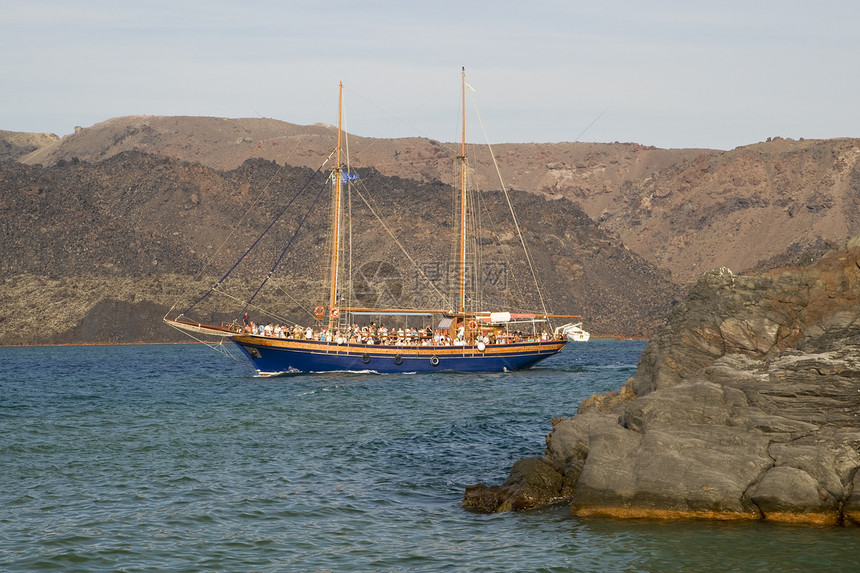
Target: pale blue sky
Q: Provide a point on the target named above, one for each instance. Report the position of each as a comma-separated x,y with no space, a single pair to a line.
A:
667,73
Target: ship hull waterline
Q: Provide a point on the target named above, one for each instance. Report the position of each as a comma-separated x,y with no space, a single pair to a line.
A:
272,356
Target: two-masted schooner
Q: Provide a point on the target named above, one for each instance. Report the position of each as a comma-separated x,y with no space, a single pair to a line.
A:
459,339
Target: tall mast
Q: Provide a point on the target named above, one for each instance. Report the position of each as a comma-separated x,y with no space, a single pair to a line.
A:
335,244
462,158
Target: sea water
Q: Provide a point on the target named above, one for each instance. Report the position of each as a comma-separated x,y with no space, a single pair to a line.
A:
176,458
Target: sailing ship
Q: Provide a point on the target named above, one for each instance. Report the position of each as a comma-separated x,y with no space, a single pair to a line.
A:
457,338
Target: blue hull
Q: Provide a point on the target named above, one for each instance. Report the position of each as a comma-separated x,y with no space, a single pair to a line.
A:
277,356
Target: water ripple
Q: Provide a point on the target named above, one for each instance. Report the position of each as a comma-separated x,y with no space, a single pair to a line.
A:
164,458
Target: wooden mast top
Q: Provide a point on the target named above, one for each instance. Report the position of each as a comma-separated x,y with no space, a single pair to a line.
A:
332,302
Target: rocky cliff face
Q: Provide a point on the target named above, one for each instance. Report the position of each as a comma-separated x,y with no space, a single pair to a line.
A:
746,406
750,208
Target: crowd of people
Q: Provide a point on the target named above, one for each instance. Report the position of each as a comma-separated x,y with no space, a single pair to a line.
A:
373,334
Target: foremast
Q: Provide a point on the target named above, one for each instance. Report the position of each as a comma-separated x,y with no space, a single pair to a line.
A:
462,157
335,246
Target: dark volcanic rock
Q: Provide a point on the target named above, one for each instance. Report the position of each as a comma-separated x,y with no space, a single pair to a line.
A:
532,482
746,406
98,252
111,320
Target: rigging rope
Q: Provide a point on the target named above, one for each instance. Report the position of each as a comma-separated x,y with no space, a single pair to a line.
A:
513,214
286,248
254,244
221,348
245,216
296,302
402,248
261,310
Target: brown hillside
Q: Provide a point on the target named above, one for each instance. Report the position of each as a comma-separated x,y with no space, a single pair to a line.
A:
98,252
684,210
753,207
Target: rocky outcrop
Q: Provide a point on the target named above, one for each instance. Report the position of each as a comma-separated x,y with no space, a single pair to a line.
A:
533,483
746,406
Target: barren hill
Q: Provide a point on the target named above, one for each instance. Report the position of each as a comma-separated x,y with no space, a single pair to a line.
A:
754,207
99,251
14,144
684,210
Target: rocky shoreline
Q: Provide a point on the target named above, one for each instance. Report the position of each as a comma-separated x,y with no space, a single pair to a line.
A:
745,406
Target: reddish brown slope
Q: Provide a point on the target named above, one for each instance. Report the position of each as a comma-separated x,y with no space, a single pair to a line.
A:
684,210
744,208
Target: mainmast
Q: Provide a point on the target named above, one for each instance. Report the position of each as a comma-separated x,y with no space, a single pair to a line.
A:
335,246
462,158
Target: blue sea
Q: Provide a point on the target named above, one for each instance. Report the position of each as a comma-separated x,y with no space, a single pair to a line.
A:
176,458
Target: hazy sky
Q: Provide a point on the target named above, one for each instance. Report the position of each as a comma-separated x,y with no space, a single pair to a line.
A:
667,73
